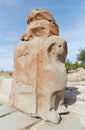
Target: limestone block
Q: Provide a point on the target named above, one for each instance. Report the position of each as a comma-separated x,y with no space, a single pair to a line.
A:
21,88
40,28
4,98
5,110
16,121
41,23
39,79
40,14
6,86
5,89
25,75
39,70
51,71
69,122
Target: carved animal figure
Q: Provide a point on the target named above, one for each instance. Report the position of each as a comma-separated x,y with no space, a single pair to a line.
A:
51,78
39,79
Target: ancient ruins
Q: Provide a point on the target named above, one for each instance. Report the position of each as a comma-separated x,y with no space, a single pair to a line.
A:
40,79
34,98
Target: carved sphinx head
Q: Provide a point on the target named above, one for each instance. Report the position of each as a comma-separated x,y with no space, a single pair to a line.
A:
57,47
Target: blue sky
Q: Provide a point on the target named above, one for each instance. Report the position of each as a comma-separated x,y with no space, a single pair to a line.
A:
69,14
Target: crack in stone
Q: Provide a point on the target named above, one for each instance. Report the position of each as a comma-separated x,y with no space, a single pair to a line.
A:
1,116
31,125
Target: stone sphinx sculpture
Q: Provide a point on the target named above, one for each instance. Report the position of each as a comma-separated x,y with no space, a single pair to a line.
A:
39,79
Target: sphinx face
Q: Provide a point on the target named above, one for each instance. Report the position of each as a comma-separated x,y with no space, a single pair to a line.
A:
56,47
59,48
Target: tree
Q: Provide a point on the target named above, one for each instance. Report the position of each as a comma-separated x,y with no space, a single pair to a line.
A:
81,57
75,65
68,65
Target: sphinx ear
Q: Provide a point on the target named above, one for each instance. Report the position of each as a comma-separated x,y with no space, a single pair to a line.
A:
63,57
50,47
66,49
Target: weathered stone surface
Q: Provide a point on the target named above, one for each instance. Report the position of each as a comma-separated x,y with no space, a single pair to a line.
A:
16,121
40,14
39,68
40,28
69,122
51,72
25,73
41,23
11,119
75,98
5,85
5,110
5,89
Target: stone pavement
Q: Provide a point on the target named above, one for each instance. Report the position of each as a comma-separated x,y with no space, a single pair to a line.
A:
75,99
5,89
12,119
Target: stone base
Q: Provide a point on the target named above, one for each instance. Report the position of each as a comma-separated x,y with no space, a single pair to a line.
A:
68,122
11,119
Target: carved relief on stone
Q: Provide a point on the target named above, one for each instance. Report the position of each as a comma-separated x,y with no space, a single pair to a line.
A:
51,78
39,79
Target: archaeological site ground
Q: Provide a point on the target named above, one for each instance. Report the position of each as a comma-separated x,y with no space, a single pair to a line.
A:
39,94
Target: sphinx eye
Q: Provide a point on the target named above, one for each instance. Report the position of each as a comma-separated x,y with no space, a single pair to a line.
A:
60,46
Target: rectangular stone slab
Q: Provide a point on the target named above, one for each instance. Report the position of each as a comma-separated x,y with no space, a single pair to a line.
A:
69,122
16,121
5,110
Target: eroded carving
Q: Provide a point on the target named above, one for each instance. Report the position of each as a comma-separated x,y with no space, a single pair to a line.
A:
41,23
52,78
39,62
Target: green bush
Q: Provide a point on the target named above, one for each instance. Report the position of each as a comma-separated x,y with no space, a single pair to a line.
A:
75,65
71,66
81,55
68,65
